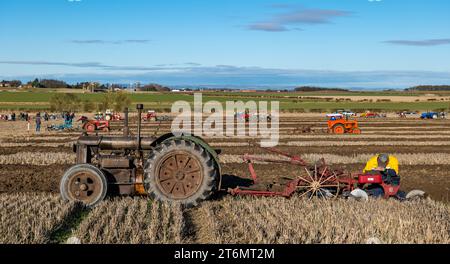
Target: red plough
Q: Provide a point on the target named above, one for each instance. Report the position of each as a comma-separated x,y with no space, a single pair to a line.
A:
317,180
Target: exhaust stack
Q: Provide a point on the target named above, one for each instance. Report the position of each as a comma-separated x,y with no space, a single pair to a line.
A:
126,128
139,107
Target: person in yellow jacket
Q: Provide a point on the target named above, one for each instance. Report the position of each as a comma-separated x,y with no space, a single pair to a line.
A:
386,165
382,163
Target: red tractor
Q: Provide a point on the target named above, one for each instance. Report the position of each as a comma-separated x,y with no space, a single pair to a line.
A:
112,116
150,116
94,125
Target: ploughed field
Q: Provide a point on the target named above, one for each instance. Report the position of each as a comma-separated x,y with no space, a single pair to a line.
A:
31,167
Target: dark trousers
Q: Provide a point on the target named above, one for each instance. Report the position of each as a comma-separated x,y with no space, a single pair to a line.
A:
376,191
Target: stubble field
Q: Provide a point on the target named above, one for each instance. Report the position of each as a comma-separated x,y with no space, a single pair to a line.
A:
31,167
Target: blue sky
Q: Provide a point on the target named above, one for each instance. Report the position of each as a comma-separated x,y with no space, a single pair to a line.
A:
342,43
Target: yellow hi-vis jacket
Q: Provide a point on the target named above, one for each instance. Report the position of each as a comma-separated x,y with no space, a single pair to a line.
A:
373,164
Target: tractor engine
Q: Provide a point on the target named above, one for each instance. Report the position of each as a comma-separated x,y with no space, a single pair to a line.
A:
170,168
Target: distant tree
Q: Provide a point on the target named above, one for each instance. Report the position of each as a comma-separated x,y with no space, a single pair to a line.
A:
153,87
50,83
115,101
318,89
105,102
429,88
35,83
117,86
88,106
121,100
65,102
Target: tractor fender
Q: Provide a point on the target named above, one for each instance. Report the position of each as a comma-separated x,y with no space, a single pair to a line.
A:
194,139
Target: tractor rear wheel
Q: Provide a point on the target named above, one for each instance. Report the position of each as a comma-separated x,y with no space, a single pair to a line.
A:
180,171
339,129
84,183
90,128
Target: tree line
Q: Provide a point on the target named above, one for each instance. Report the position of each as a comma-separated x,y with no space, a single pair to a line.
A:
429,88
56,84
67,102
318,89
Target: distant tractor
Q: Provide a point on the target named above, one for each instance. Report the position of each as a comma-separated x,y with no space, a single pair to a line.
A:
337,124
150,116
430,115
370,115
94,125
112,116
153,116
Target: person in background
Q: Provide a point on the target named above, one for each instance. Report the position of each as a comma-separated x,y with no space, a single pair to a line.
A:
13,117
38,123
28,122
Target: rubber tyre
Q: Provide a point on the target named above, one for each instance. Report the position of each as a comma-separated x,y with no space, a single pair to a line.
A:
339,129
357,131
79,168
90,128
210,172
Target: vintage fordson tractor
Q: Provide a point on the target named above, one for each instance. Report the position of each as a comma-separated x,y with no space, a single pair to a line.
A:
181,168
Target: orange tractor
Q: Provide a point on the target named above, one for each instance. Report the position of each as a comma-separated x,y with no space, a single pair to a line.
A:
338,124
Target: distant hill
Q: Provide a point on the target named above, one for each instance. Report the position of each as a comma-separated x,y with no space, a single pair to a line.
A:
429,88
318,89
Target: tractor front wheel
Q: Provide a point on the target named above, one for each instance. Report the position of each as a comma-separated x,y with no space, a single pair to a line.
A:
84,183
357,131
180,171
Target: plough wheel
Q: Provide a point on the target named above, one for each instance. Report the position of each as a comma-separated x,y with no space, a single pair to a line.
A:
318,182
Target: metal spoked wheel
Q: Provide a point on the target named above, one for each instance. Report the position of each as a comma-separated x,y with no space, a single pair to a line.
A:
319,182
84,183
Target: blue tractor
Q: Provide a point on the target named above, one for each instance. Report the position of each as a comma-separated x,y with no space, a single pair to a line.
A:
430,115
